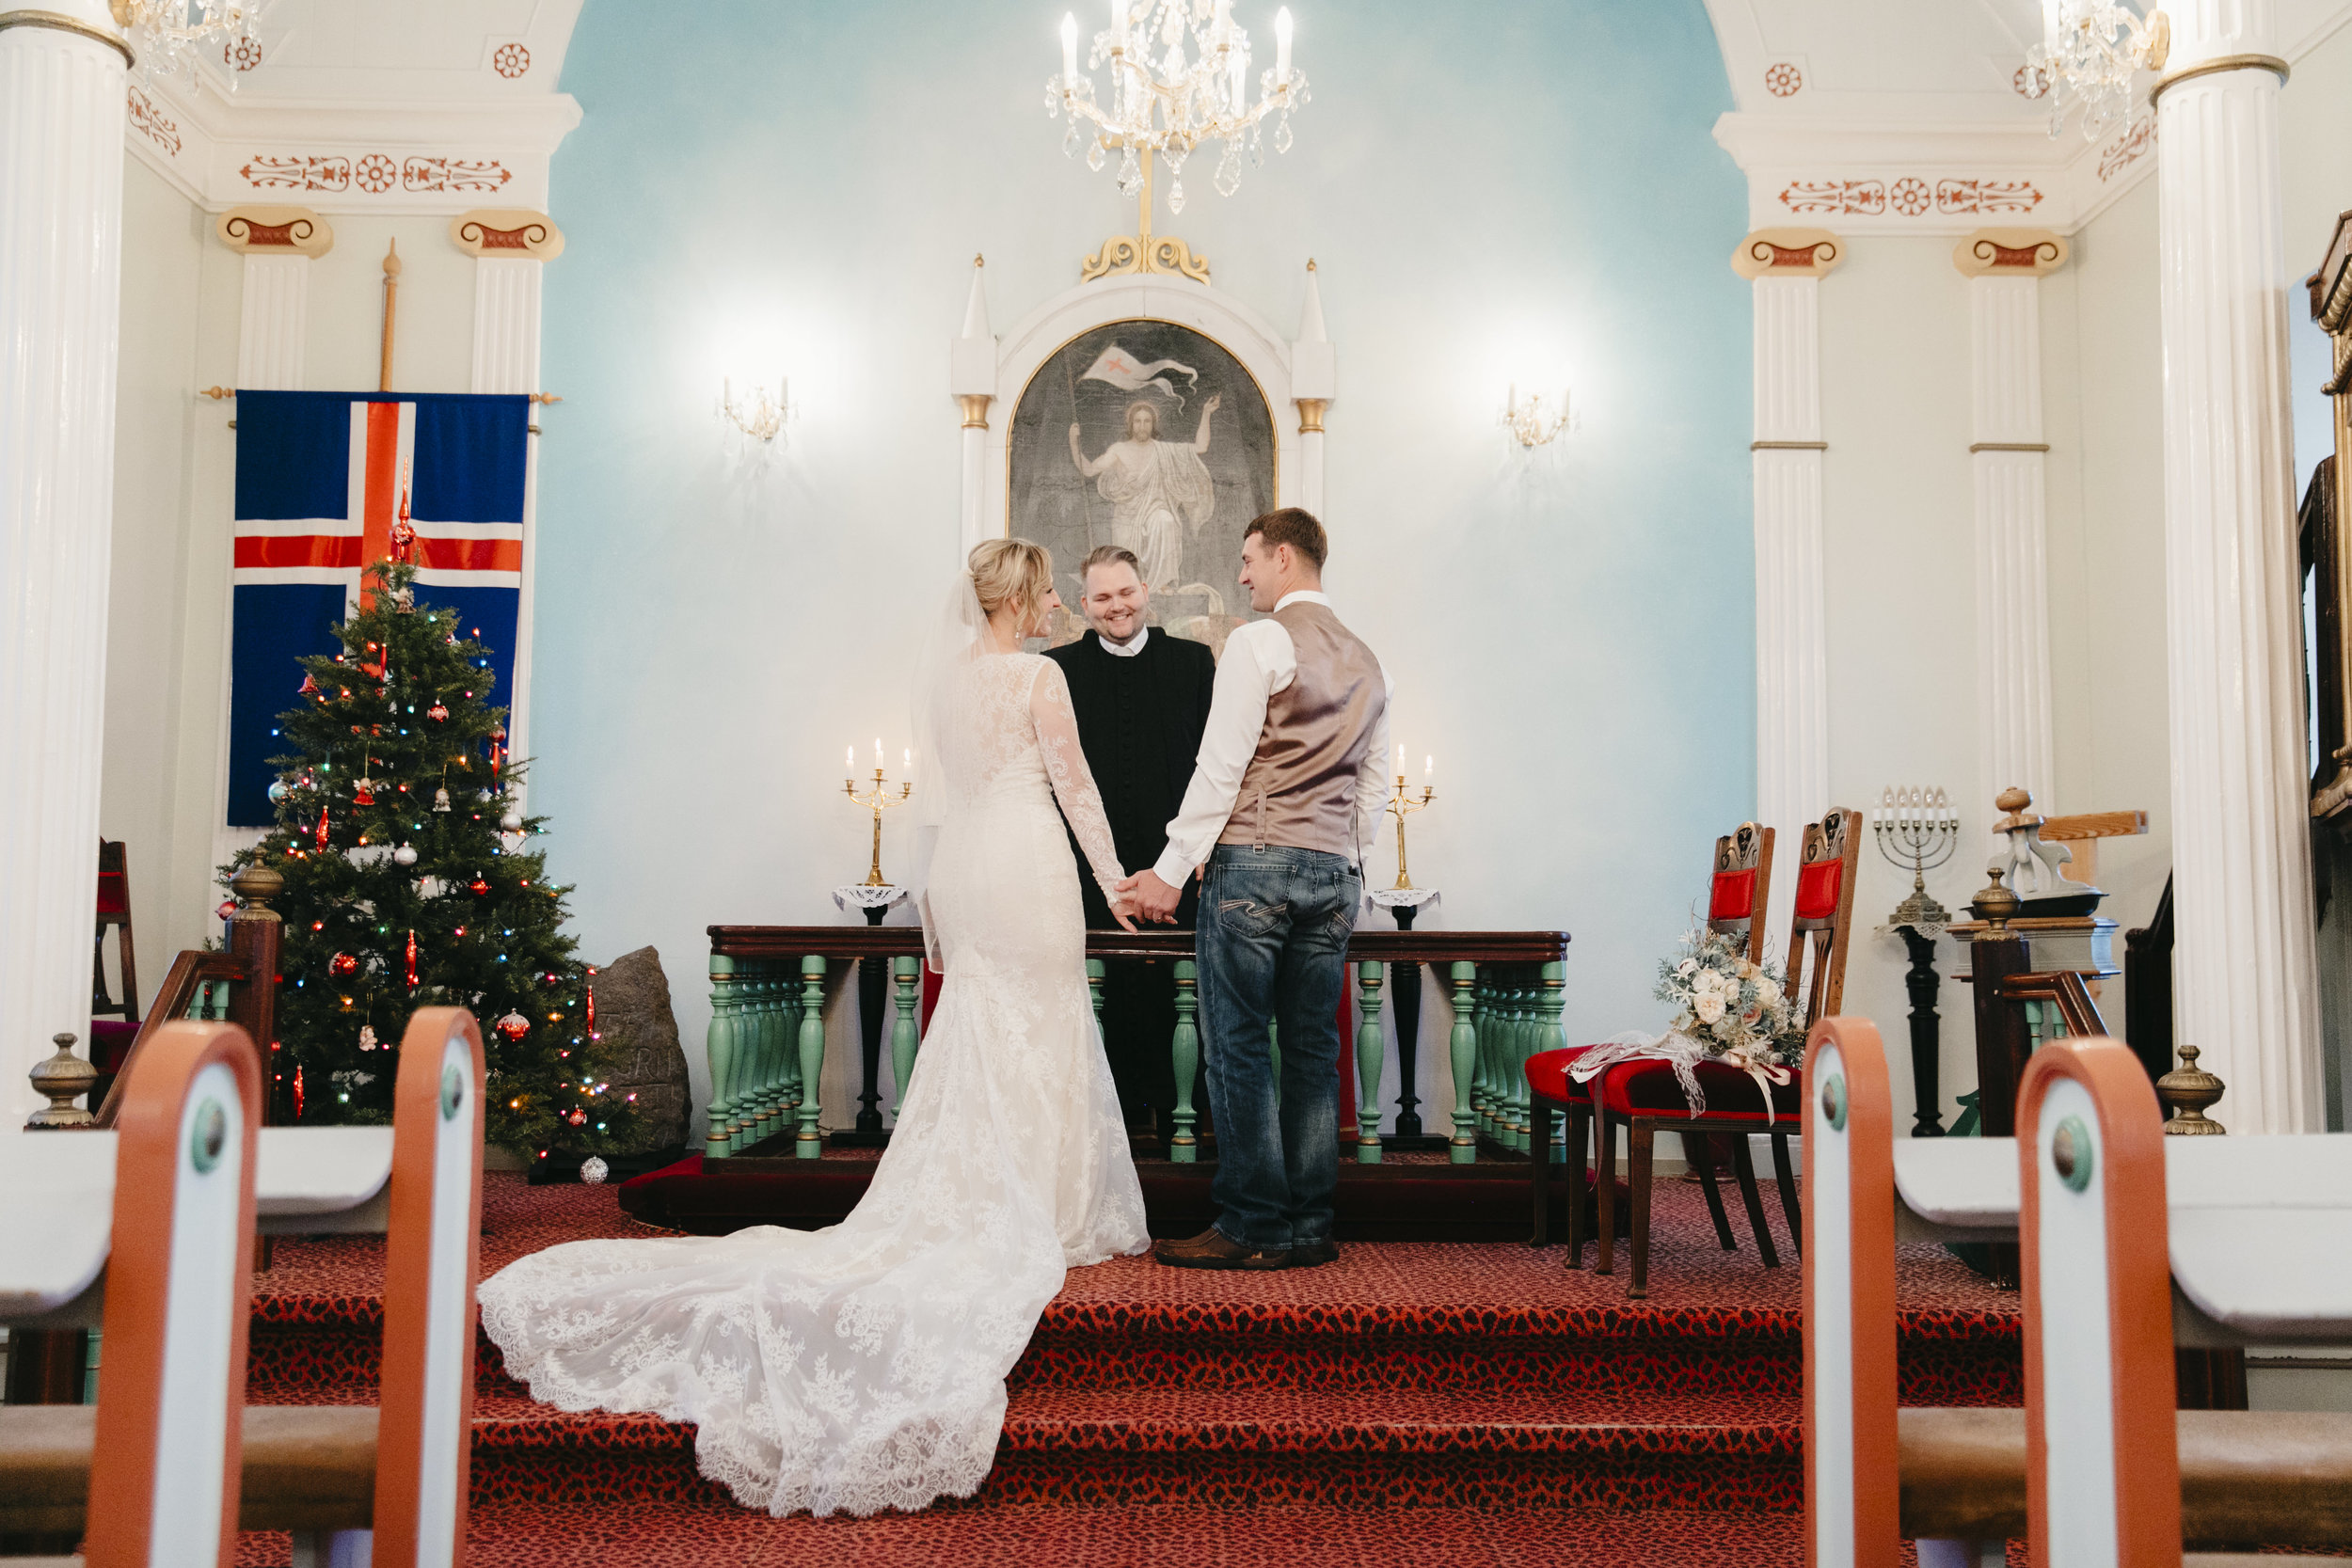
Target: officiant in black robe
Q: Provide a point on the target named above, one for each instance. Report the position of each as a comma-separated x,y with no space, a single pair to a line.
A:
1141,698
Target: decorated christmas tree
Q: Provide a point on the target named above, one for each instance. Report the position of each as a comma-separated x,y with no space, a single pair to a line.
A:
410,882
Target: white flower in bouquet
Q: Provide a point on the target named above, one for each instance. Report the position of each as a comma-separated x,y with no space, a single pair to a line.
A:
1709,1006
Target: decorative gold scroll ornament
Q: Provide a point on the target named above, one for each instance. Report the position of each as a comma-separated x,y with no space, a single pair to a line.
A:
1144,251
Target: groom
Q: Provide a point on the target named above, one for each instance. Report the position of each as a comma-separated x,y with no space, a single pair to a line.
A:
1288,786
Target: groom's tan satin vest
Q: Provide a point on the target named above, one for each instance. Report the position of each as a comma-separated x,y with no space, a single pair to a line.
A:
1299,790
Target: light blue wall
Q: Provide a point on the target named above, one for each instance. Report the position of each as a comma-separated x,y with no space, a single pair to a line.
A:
1522,190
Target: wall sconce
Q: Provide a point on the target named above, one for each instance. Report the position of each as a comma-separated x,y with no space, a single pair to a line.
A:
758,416
1533,422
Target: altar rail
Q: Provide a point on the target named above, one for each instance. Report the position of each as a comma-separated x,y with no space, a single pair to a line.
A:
767,1039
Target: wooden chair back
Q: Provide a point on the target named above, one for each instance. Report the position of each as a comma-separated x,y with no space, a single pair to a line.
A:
2103,1468
1823,918
1851,1473
113,911
432,1264
168,1449
1742,883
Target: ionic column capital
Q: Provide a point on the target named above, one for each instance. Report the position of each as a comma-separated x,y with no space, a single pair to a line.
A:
2010,253
276,231
506,234
1788,253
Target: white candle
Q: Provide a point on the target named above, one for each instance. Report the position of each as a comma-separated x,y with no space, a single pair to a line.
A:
1069,48
1241,80
1118,22
848,757
1400,759
1282,45
908,757
1429,769
1224,17
878,761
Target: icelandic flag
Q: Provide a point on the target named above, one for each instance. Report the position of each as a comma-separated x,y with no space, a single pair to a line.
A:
329,482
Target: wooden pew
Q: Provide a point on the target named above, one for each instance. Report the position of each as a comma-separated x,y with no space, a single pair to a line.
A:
334,1474
162,1447
1957,1480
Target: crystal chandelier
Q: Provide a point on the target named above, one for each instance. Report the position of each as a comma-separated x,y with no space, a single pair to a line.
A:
169,35
1163,101
2088,52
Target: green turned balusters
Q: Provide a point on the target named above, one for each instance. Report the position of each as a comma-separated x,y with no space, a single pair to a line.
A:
719,1042
1367,1055
906,1032
757,1049
784,1034
1464,1045
1489,1013
1550,999
1094,992
1184,1056
1522,1119
811,1143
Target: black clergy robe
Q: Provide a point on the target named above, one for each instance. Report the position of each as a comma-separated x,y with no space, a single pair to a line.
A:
1140,719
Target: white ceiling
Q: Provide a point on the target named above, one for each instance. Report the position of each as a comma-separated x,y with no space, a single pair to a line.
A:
407,49
1945,62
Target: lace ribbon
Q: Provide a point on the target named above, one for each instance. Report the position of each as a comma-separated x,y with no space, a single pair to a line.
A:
1683,1054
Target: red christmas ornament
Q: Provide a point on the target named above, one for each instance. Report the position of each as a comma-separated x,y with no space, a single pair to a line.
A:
478,886
404,534
578,1118
514,1026
298,1094
438,712
363,792
322,834
592,1004
227,907
308,688
410,954
342,964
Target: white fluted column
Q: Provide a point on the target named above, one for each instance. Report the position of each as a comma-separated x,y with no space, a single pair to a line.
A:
61,113
1315,377
2014,743
511,248
1786,266
972,380
2245,977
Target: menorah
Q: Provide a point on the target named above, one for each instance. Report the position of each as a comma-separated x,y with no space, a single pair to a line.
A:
877,799
1400,806
1917,826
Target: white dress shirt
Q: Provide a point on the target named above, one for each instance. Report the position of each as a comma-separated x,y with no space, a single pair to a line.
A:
1259,659
1133,646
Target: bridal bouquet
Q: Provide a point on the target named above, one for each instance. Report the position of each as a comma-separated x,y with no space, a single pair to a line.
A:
1730,1010
1732,1007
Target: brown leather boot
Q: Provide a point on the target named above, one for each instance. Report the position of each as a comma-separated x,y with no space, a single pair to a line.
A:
1211,1250
1314,1255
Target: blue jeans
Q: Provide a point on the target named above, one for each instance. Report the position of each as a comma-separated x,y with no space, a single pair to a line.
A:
1272,948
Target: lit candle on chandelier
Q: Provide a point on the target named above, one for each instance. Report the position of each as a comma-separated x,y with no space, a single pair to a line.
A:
849,757
1400,761
1069,48
1282,46
1118,24
878,760
1241,79
909,758
1429,769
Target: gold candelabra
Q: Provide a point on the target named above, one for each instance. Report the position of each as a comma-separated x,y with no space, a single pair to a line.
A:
877,799
1400,806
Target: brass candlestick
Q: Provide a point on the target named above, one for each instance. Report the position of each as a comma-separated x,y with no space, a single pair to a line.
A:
877,799
1401,806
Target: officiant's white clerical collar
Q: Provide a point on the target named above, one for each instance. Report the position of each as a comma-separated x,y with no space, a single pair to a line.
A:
1302,596
1134,643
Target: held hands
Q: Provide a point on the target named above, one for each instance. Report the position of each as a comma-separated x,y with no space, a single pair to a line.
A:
1147,895
1123,906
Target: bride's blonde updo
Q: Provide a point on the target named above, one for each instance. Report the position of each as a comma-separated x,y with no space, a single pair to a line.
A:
1011,571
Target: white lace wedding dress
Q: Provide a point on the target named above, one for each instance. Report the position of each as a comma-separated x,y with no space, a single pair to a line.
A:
863,1367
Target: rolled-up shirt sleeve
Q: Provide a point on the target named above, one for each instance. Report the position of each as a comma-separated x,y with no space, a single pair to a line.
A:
1371,778
1255,656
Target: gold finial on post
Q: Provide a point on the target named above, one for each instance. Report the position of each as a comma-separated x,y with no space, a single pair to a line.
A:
61,1080
392,294
1996,905
2188,1090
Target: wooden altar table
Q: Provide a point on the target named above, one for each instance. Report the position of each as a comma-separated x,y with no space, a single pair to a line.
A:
767,1035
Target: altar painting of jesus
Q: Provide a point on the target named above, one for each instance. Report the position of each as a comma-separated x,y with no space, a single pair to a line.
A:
1149,435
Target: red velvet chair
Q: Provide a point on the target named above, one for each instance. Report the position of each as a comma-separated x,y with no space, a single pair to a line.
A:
1643,1096
1736,901
110,1037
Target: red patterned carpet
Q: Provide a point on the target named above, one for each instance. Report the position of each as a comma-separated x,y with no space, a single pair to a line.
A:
1464,1403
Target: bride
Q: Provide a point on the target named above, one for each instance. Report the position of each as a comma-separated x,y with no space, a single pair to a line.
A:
863,1367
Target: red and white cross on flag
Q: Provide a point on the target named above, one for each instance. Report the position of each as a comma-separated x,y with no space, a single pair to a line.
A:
1129,374
377,523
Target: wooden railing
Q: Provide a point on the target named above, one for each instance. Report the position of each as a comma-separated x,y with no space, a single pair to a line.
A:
239,986
766,1036
2017,1010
